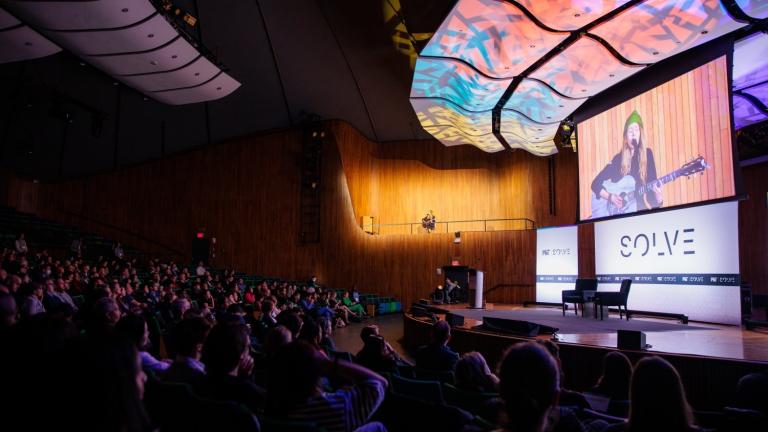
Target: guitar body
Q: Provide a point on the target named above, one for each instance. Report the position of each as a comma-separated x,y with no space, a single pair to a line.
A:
629,191
625,188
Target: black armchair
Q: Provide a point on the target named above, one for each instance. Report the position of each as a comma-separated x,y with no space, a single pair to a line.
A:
614,298
577,296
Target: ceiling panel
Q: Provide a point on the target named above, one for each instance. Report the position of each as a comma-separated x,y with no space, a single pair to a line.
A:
145,36
745,113
217,88
196,73
495,37
540,103
533,132
750,61
439,112
82,15
452,136
754,8
583,69
7,20
23,43
457,82
171,56
569,14
545,148
656,29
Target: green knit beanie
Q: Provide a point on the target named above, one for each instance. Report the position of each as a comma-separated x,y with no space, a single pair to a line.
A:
633,118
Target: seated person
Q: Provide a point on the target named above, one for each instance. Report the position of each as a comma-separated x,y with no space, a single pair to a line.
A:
451,291
530,386
353,306
376,353
657,399
614,382
437,356
293,391
190,336
133,329
228,365
473,374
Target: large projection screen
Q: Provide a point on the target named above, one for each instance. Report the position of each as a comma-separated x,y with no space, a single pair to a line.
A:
675,139
557,262
683,261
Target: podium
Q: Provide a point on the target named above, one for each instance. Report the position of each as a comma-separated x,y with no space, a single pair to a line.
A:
470,280
476,300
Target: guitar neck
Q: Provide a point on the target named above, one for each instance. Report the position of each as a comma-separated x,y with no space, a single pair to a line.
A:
663,180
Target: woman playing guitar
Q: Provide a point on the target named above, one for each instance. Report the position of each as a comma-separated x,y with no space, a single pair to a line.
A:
633,166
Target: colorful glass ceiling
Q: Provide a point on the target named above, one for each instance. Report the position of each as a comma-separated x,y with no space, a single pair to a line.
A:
504,74
750,80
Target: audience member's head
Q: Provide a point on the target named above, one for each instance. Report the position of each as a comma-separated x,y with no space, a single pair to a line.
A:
441,333
225,348
133,328
179,307
617,374
110,385
657,397
9,313
190,336
311,333
473,374
529,385
106,311
276,337
368,331
292,321
752,392
294,377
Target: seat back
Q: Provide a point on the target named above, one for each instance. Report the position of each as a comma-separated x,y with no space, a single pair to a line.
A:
586,284
429,375
624,290
430,391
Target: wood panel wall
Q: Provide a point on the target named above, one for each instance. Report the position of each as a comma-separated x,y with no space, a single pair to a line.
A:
246,194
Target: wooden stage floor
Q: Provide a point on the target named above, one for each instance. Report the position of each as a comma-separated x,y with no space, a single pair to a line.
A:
709,340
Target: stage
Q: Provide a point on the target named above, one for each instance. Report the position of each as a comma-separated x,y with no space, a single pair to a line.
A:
710,358
664,335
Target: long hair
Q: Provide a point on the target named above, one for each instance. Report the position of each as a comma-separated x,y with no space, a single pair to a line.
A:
626,152
657,398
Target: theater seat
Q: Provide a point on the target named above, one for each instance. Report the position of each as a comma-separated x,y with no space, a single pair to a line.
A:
430,391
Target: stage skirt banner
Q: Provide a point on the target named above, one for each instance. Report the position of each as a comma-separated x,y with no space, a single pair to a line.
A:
682,261
557,262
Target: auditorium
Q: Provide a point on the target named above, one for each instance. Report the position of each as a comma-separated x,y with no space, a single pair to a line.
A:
384,215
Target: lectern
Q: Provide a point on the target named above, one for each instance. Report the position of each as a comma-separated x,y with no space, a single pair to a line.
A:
471,282
476,300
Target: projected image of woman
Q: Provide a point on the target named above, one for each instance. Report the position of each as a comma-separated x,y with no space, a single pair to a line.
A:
616,189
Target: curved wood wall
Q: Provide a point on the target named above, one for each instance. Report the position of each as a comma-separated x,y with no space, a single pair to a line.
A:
246,194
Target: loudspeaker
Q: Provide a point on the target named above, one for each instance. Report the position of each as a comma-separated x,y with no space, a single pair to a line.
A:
424,302
201,248
419,311
631,340
454,320
746,301
522,328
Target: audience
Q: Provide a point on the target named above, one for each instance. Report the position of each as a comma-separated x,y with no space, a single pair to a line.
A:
293,391
657,399
614,383
473,374
437,356
529,384
133,328
228,365
226,337
190,337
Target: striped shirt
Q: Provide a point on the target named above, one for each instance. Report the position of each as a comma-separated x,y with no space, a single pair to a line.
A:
344,410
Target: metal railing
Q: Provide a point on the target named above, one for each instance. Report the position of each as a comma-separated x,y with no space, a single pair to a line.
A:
480,225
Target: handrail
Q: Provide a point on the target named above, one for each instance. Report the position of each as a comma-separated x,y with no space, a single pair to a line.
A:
527,224
124,231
